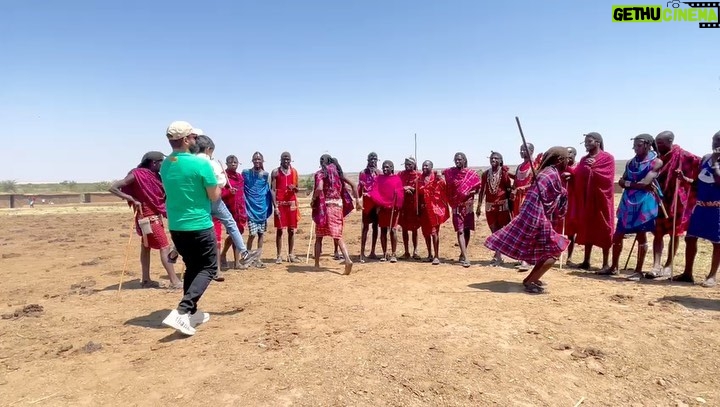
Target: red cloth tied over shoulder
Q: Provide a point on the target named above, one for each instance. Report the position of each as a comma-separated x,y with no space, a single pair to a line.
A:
594,193
148,190
386,189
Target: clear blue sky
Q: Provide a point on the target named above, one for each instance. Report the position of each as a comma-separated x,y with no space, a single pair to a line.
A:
89,86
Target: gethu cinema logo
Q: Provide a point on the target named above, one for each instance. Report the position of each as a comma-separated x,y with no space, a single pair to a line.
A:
704,12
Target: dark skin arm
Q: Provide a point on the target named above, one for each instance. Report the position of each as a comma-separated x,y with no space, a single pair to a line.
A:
715,164
646,182
353,192
115,190
273,189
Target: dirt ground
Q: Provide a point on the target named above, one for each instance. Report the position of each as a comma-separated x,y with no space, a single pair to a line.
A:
404,334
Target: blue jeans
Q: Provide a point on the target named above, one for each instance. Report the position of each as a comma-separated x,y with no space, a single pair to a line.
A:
221,213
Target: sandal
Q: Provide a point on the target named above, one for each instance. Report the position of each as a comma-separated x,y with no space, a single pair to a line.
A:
709,283
416,257
435,261
259,264
635,277
150,284
178,286
173,256
393,259
278,260
607,272
533,288
684,278
293,259
465,263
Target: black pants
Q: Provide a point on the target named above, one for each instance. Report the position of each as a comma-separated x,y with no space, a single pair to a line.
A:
199,253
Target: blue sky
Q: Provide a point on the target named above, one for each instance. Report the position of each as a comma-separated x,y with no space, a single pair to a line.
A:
89,86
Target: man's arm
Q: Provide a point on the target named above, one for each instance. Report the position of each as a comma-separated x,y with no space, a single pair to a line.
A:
115,189
647,181
273,188
352,186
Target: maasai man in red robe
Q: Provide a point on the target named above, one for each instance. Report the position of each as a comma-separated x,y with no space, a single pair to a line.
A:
348,204
410,212
594,178
522,180
678,164
568,226
388,196
233,194
494,189
366,182
433,209
284,184
143,190
462,185
531,236
327,208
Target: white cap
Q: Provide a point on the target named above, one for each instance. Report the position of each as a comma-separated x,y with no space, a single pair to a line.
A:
198,132
178,130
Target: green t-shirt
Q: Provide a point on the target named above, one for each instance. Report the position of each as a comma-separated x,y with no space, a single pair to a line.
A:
185,178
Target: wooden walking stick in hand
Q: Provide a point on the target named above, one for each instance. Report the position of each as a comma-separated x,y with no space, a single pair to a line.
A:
674,224
127,248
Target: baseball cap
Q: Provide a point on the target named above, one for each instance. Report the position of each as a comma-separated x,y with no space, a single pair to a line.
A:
178,130
198,132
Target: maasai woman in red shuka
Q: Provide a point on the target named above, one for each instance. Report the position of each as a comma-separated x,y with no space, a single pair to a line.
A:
388,197
678,164
494,189
233,194
462,185
594,177
143,189
531,236
433,209
327,208
410,212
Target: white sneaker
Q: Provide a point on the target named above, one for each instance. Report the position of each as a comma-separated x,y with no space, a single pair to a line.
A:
180,322
198,318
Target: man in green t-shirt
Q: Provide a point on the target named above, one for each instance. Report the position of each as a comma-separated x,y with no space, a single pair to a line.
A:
190,187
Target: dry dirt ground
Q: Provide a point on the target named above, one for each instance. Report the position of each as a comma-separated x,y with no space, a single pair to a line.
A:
405,334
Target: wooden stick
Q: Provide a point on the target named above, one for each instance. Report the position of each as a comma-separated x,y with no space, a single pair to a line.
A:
630,254
312,229
580,402
127,249
674,224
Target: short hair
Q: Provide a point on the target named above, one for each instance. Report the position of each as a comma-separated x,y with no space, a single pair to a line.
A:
204,143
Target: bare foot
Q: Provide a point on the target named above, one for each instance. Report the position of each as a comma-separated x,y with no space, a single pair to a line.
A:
348,267
317,264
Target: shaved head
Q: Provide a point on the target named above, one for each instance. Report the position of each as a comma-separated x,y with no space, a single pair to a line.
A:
666,135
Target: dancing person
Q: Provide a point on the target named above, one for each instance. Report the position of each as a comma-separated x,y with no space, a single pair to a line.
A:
388,197
258,202
434,209
366,182
348,204
462,183
327,208
594,192
532,235
143,190
495,189
639,204
233,194
191,188
705,218
410,213
678,165
284,186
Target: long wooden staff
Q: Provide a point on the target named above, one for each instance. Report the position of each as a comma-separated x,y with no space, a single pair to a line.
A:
674,224
127,248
